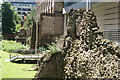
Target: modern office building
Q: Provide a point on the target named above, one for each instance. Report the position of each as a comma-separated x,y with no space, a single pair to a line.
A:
0,20
23,6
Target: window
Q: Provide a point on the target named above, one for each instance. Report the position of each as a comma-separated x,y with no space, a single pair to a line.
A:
28,5
19,12
28,9
24,9
20,4
19,9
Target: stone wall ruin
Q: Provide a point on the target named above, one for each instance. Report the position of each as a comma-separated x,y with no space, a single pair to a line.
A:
86,53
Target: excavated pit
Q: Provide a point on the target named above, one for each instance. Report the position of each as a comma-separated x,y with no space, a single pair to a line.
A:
86,53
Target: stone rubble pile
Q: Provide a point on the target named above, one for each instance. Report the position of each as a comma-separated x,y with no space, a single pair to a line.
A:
87,53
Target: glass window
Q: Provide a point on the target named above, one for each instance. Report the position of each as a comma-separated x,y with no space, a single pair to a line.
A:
19,12
19,9
24,9
28,9
20,4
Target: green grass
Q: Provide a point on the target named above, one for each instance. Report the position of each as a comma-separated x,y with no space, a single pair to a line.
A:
15,70
0,45
0,67
12,45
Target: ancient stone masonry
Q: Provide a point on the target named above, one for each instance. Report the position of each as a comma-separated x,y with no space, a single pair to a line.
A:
50,67
87,54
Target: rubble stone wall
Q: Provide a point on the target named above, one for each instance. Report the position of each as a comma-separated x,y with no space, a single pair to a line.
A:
51,67
86,53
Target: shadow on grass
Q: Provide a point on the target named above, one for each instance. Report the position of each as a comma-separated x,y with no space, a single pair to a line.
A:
25,61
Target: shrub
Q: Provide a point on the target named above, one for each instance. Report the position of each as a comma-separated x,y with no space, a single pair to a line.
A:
50,48
12,46
17,27
43,48
1,37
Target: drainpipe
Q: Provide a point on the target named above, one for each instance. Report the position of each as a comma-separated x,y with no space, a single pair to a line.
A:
88,5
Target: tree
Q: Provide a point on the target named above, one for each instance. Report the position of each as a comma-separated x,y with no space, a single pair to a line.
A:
30,19
17,19
8,25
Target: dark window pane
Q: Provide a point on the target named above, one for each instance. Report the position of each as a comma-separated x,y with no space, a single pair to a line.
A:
19,12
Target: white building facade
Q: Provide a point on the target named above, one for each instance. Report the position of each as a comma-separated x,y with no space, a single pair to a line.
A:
0,20
23,6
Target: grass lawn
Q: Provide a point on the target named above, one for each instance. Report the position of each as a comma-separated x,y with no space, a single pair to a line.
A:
0,67
15,70
0,45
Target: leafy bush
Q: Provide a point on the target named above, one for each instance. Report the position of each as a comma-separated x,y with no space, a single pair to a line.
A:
43,48
17,27
12,46
1,37
50,48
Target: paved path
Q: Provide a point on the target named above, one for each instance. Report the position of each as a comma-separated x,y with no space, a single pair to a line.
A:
25,57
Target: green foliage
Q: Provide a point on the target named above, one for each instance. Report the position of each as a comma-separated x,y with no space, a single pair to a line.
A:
29,38
17,27
53,48
10,19
8,25
12,46
17,21
17,18
28,22
30,19
43,48
1,37
50,48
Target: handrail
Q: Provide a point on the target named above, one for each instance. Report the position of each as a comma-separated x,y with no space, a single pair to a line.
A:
26,57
